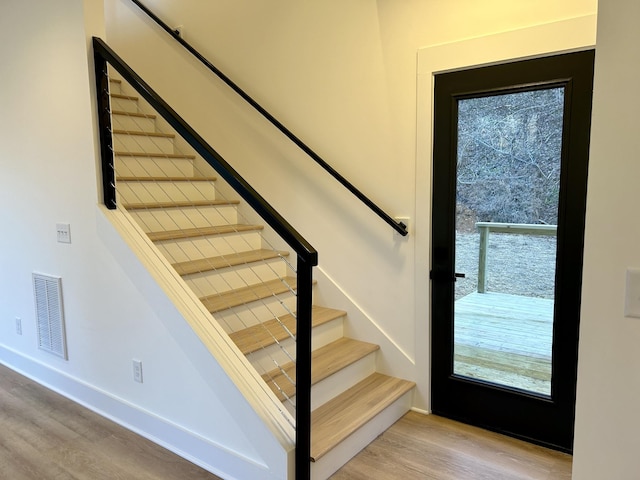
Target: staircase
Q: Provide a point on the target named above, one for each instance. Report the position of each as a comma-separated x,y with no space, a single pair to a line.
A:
248,285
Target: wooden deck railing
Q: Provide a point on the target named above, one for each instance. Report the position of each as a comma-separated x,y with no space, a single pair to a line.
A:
515,228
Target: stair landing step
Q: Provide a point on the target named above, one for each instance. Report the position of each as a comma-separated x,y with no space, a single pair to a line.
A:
240,296
201,232
334,421
226,261
264,334
182,204
324,362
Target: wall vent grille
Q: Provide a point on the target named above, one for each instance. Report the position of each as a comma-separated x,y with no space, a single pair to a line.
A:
50,314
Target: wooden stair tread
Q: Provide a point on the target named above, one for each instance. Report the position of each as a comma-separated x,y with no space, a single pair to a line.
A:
115,80
325,361
197,232
154,155
225,261
166,179
143,134
181,204
240,296
267,333
334,421
134,114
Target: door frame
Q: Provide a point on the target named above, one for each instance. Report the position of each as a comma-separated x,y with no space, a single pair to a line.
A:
558,37
538,418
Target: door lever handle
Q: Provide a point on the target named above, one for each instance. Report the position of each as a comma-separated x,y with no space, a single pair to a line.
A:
443,276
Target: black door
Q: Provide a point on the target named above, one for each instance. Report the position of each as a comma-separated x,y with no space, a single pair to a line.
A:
509,188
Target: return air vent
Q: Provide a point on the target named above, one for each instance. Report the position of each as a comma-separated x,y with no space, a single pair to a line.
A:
50,315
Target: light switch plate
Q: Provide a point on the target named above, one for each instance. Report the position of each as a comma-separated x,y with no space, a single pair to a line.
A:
63,231
632,293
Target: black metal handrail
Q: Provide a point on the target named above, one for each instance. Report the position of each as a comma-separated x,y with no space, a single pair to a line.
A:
307,256
400,227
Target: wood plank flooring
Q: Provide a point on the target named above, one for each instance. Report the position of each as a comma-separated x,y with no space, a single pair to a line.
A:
427,447
44,436
505,339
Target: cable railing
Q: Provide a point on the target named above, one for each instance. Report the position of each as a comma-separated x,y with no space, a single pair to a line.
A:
398,226
184,196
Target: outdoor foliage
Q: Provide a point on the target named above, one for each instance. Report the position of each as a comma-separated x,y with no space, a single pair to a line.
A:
509,149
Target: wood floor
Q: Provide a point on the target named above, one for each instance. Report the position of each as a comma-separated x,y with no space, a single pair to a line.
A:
427,447
44,436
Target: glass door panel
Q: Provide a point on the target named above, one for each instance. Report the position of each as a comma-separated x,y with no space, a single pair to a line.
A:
509,149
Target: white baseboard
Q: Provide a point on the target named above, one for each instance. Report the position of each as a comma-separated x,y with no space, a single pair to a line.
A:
188,445
420,411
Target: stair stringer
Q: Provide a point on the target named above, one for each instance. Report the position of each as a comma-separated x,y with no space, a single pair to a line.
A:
274,436
391,359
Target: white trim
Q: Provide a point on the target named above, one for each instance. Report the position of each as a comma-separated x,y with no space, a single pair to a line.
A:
217,341
420,411
270,430
393,360
563,36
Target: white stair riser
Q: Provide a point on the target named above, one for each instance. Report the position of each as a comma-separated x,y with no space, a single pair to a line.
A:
154,167
337,383
263,359
142,143
138,124
237,318
136,192
334,385
337,457
212,282
115,87
157,219
124,105
211,246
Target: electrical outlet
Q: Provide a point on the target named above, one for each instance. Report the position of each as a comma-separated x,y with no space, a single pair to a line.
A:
137,370
18,325
63,231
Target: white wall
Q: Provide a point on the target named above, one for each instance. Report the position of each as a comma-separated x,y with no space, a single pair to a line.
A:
342,76
114,310
47,159
607,419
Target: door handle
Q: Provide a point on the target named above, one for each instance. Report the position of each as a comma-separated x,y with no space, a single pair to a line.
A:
444,276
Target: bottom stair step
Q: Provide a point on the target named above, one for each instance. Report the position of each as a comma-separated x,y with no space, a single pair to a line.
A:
334,421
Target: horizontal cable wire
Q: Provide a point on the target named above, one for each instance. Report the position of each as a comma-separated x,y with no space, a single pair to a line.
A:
215,274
